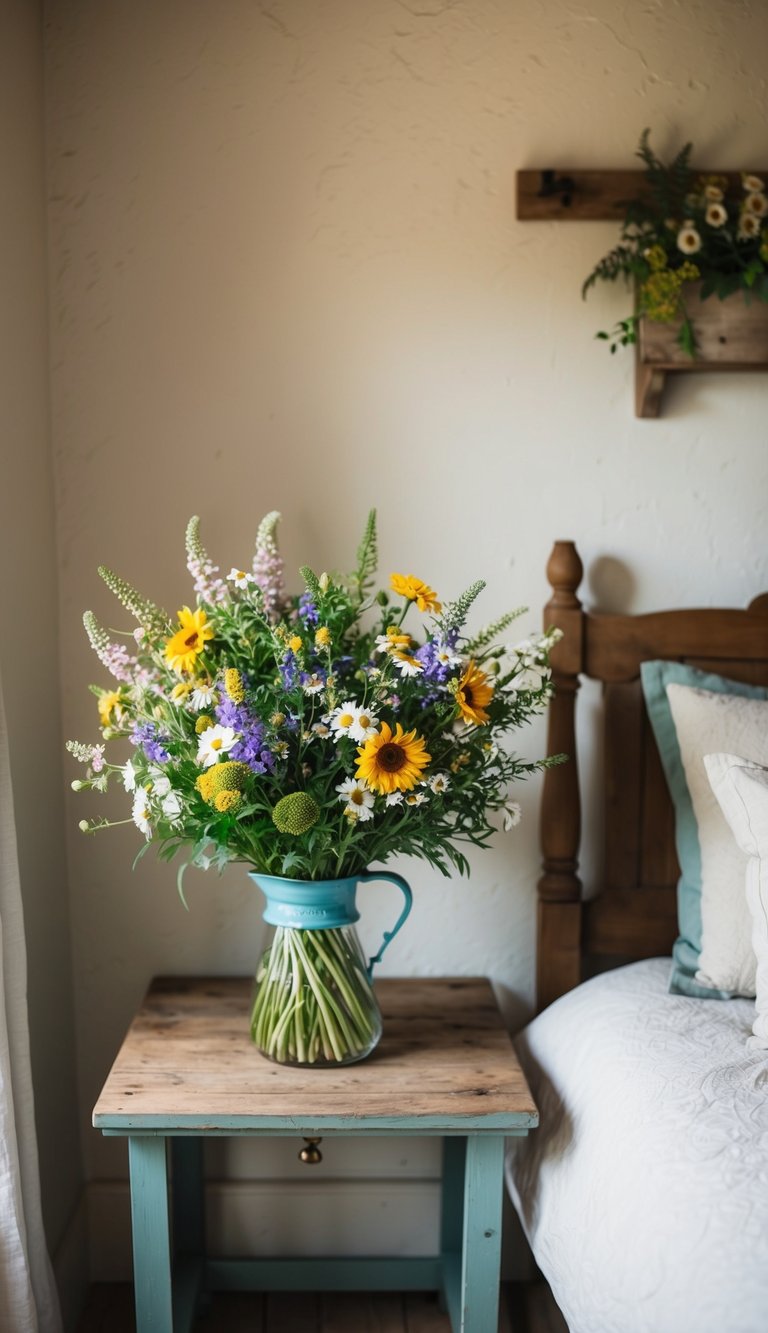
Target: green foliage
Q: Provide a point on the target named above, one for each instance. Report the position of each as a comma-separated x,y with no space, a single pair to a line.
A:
455,614
367,560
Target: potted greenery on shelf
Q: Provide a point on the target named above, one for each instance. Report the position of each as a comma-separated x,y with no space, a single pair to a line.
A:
687,238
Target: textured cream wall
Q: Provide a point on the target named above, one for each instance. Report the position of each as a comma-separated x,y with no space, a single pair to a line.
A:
287,273
29,665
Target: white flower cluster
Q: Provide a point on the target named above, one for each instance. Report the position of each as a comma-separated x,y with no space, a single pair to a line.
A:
753,208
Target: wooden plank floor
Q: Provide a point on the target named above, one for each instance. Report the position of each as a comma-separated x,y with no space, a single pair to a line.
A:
110,1310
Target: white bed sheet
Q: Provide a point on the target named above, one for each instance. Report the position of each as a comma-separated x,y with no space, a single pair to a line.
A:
644,1193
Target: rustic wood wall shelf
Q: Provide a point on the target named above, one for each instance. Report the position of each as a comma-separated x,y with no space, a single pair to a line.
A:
585,196
731,334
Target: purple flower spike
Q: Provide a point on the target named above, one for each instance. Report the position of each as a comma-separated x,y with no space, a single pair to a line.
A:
146,735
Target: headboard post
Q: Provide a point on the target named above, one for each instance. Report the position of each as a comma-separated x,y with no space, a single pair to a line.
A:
559,910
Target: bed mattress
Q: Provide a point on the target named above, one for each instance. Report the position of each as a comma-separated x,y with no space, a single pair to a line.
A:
644,1193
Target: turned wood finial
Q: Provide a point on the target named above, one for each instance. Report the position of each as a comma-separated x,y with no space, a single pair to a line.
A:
564,572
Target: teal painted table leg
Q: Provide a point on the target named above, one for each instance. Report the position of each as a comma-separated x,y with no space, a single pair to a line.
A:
481,1249
452,1210
188,1211
188,1196
151,1242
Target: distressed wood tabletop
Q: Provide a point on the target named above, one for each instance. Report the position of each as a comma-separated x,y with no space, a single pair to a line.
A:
445,1062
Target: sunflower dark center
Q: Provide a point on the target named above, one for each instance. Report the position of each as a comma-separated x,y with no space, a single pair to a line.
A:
468,696
191,642
391,758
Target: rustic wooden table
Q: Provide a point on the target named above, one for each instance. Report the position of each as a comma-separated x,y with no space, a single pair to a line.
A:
187,1070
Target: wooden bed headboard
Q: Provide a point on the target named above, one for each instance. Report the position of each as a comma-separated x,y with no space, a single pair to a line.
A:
631,911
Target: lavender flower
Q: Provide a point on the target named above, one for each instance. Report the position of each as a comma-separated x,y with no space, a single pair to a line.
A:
207,585
268,568
307,609
289,670
114,656
146,735
439,657
250,748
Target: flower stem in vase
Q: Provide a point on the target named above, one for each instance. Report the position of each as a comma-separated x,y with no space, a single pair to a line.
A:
314,1003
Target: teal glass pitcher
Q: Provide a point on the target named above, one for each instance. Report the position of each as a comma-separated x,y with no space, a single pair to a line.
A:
314,1003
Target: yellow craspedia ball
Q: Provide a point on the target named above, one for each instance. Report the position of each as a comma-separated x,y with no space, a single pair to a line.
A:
204,786
233,684
295,813
203,723
231,776
227,800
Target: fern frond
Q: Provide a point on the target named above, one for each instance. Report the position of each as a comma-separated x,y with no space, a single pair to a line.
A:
455,613
367,558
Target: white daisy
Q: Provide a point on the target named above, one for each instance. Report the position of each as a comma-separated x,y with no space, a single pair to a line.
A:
756,204
171,806
364,725
313,684
321,729
415,798
395,640
240,577
749,226
716,215
214,743
394,798
407,665
688,239
713,194
343,718
446,656
141,812
512,815
753,184
129,776
359,800
202,695
439,782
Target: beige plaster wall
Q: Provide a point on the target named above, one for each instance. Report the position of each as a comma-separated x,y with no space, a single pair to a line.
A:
287,274
29,639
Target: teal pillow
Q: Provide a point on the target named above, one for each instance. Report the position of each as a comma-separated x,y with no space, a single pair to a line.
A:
656,676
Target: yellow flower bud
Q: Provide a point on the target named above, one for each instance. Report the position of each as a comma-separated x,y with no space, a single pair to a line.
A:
227,800
233,684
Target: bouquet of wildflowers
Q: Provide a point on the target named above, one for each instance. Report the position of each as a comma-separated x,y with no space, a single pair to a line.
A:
686,228
309,735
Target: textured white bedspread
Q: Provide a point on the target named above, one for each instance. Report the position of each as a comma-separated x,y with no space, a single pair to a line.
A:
644,1193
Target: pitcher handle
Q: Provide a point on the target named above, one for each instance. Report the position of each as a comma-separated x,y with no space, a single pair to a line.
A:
389,935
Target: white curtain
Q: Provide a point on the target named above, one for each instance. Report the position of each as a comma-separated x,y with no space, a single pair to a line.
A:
28,1298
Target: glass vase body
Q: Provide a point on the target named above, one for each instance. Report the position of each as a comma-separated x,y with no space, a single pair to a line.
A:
314,1003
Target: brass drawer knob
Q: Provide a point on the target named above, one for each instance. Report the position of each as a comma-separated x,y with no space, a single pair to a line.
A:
311,1154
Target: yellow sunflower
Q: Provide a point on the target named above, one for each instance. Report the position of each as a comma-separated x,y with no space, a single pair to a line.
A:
392,761
473,692
406,585
110,703
183,650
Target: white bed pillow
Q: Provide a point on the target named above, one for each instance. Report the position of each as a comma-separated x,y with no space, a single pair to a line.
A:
742,792
709,723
